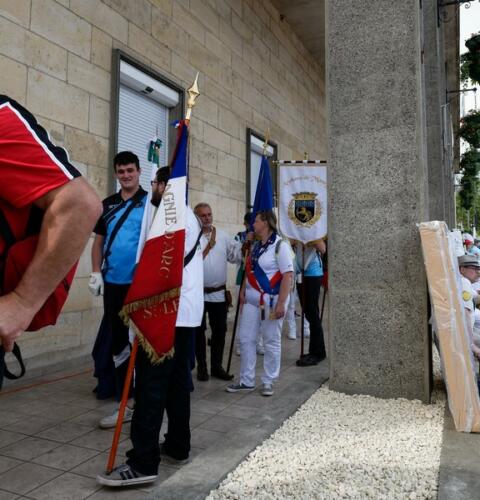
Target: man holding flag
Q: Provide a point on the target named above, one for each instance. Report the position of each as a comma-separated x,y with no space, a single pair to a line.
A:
165,306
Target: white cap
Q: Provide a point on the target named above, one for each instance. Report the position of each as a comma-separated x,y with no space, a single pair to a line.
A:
467,238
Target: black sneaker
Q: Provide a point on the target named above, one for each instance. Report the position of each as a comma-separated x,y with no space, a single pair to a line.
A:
307,361
221,374
124,475
202,374
168,459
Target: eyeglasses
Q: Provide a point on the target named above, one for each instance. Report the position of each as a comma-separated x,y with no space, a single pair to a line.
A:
153,182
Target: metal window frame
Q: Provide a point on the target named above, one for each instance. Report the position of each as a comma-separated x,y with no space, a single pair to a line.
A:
273,170
175,113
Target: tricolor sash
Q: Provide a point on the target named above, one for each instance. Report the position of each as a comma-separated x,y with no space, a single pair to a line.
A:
259,281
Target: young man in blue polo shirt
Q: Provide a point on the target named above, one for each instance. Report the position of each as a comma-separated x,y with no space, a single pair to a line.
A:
114,253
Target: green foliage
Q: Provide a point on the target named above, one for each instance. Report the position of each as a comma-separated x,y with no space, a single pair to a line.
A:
470,67
470,128
470,165
470,61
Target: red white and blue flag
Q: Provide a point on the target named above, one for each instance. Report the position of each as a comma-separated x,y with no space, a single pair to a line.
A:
152,300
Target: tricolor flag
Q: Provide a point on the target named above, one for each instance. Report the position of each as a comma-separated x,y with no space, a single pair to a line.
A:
152,300
264,193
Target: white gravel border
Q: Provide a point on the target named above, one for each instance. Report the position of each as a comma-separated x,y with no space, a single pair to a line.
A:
339,446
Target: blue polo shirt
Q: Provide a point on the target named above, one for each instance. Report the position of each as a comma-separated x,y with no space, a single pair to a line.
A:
119,261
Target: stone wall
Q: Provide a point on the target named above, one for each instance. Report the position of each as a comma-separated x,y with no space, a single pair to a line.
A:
56,59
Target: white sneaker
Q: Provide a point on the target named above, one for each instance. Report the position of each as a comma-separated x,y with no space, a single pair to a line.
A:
306,333
292,335
267,390
111,420
260,350
237,351
124,475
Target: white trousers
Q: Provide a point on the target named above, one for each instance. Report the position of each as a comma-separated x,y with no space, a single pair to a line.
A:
271,330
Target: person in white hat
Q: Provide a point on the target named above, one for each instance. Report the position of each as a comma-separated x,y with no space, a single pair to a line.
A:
469,266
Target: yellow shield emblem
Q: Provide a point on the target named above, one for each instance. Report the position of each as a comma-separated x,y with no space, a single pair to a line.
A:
304,209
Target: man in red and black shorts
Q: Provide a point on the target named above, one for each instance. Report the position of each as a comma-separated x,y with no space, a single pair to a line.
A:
38,179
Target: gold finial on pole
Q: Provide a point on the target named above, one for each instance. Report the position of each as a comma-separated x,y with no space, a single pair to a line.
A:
265,144
193,93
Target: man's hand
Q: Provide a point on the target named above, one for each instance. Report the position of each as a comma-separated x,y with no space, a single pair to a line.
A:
279,310
14,319
95,284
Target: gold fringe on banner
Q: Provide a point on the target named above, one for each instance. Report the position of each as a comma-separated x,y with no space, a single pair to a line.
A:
154,358
145,304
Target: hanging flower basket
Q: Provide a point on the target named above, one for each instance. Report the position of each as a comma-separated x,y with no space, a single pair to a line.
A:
470,128
470,67
470,161
470,61
473,43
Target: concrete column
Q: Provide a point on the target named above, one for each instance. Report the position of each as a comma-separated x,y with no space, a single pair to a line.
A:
378,182
435,97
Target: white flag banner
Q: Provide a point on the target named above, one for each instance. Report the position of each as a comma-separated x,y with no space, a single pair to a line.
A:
302,206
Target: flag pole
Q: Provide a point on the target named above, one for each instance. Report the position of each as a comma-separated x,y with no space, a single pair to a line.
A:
244,275
235,321
302,302
193,93
123,404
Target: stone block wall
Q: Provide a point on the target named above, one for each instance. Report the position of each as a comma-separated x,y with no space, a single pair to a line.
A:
56,59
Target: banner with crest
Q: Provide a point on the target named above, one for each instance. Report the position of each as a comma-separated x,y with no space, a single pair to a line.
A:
302,206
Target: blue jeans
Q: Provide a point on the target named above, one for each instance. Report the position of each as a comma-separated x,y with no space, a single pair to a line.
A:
159,388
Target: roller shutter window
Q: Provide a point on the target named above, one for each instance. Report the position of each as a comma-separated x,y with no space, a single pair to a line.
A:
140,118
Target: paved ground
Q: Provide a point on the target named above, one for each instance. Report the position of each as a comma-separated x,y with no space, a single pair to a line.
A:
51,448
459,475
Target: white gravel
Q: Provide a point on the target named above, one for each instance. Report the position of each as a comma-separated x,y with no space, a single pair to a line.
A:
339,446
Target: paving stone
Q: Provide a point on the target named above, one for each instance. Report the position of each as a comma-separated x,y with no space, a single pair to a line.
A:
98,439
28,448
197,418
204,406
92,417
93,466
117,494
222,423
66,487
65,457
239,411
7,418
65,432
26,477
32,425
7,463
7,495
7,437
203,438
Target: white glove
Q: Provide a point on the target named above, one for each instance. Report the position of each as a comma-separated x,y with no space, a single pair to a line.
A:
95,285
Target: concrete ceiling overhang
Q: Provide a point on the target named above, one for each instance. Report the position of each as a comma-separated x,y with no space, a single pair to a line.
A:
307,20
